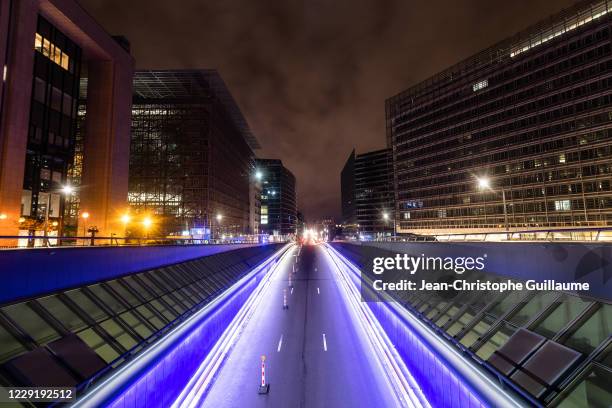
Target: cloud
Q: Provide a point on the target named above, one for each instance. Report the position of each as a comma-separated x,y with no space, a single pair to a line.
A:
312,76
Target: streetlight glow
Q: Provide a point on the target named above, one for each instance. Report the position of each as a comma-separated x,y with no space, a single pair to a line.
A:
3,216
85,215
484,182
67,189
258,175
147,222
125,218
385,216
219,217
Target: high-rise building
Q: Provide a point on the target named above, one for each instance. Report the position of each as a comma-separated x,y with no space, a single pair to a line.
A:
347,191
278,198
367,193
191,160
46,47
517,136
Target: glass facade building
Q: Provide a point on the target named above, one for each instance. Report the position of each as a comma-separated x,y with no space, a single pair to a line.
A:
532,115
278,209
51,137
191,155
367,193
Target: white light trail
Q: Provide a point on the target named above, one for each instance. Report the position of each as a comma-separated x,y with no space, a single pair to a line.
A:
195,390
406,387
280,344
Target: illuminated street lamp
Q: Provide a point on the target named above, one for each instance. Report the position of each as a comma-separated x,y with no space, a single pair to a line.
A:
125,218
219,217
485,184
66,190
85,217
258,175
386,217
3,216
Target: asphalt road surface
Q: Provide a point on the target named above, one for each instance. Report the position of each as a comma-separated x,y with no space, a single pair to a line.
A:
316,355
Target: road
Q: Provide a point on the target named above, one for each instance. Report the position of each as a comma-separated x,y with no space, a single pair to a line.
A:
316,354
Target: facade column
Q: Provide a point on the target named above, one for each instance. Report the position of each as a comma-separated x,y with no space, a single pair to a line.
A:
106,149
18,31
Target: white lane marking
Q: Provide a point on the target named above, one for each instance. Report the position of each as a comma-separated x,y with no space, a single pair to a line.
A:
318,291
292,291
324,343
280,344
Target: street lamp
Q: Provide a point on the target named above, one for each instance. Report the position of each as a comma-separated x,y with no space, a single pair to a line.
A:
258,175
125,219
485,183
219,217
85,216
386,217
66,190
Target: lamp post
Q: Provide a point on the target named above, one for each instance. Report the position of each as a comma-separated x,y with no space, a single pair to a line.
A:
66,190
85,216
485,183
219,217
386,217
146,223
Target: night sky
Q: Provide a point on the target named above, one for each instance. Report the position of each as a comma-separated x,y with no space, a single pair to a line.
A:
311,77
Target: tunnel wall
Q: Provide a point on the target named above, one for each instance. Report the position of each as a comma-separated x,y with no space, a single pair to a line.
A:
27,273
160,384
160,376
444,381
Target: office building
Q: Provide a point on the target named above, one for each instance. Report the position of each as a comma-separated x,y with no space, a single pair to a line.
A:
46,47
278,198
367,193
518,136
191,159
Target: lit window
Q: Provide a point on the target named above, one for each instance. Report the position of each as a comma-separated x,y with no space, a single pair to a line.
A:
51,51
38,42
479,85
563,205
562,158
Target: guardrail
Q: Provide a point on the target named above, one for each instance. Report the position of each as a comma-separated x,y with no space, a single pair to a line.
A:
38,241
589,234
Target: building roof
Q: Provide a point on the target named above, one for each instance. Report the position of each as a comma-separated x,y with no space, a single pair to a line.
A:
545,30
179,84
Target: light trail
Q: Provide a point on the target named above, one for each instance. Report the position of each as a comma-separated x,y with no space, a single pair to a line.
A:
397,373
280,344
324,343
195,390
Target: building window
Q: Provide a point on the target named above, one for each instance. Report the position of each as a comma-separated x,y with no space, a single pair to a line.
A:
563,205
51,51
480,85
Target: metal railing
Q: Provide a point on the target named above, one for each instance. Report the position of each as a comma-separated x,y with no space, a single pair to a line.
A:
38,241
583,234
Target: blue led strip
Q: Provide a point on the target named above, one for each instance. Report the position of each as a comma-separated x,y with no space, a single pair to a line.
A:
443,374
155,378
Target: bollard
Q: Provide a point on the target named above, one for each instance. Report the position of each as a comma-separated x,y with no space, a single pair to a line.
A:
263,387
285,305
